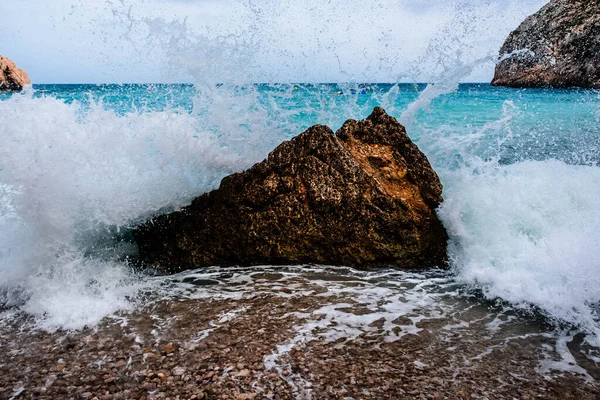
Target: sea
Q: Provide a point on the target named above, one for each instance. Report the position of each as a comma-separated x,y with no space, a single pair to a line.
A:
81,165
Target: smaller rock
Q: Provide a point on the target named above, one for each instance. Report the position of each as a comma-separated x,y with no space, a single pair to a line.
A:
437,381
178,371
150,356
168,348
109,379
11,77
243,373
259,366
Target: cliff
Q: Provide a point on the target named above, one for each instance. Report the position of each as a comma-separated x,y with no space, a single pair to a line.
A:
559,46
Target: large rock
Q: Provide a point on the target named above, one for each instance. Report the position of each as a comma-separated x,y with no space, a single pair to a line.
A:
364,197
559,46
11,77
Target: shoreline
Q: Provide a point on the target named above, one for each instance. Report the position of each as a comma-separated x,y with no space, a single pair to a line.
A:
293,337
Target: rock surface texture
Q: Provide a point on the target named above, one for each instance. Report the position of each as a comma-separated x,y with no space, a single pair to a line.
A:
559,46
364,197
11,77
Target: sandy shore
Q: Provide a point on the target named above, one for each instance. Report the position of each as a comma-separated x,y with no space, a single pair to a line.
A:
294,341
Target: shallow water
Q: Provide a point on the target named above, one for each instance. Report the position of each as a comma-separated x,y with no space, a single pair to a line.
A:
318,330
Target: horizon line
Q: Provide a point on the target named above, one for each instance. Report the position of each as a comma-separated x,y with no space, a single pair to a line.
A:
261,83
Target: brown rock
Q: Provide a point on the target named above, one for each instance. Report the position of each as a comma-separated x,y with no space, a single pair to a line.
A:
364,197
244,373
11,77
168,348
559,46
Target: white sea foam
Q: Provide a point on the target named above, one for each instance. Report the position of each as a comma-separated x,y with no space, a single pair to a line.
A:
72,176
528,233
566,361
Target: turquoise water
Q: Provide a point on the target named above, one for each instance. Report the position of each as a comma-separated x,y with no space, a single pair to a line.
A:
81,164
543,123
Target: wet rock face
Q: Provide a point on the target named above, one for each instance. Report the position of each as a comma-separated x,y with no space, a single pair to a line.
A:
364,197
11,77
559,46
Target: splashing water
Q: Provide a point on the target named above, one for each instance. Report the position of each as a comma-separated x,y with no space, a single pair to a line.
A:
68,173
526,233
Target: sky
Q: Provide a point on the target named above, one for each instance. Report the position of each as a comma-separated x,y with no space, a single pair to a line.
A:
144,41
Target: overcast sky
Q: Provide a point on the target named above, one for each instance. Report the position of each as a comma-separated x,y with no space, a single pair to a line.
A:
101,41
